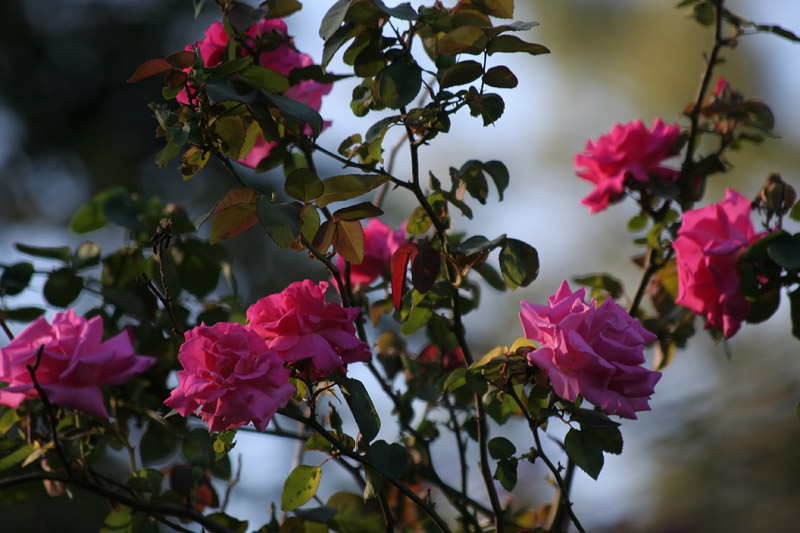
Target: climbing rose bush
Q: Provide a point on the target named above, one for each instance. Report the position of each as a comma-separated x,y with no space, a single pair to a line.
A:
595,351
283,59
629,155
74,363
300,325
380,242
710,242
232,376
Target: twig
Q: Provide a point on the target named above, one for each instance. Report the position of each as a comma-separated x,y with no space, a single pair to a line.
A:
147,282
5,327
347,452
232,483
229,167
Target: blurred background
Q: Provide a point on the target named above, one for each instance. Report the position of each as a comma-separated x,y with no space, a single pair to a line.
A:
718,452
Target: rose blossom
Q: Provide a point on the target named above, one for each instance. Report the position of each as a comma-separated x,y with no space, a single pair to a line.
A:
594,351
710,241
75,362
283,59
301,326
630,153
380,242
232,376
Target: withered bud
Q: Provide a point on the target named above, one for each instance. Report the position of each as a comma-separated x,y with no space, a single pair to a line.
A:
777,195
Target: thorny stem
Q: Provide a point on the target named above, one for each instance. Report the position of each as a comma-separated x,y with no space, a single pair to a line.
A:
226,162
562,484
345,451
458,329
165,300
687,169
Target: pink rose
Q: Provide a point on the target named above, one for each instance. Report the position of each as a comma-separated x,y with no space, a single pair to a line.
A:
301,326
232,376
630,154
593,351
710,241
380,242
283,59
75,362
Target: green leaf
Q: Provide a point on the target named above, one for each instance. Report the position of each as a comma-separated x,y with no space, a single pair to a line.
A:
304,185
363,410
229,522
300,486
378,130
309,224
489,106
231,131
222,90
281,8
500,77
280,220
461,73
62,253
353,515
604,282
784,249
512,43
333,19
399,83
455,380
90,216
503,9
22,314
506,473
228,68
417,318
388,459
501,448
300,111
340,188
374,483
16,457
16,278
265,79
584,451
63,286
637,223
476,382
337,40
499,175
357,212
519,263
403,11
794,214
463,40
87,254
119,520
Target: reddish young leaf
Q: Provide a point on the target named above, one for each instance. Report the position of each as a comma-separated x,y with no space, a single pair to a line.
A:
324,237
425,268
176,79
151,67
399,265
235,214
182,59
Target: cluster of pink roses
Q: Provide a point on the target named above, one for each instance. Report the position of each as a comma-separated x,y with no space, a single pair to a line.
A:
595,351
283,59
233,373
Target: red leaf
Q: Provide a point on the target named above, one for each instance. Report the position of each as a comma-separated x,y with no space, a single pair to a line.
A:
399,265
182,59
176,79
425,268
151,67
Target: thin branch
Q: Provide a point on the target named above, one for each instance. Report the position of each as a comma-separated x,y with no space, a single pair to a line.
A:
347,452
366,168
232,483
226,162
563,486
147,282
5,327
